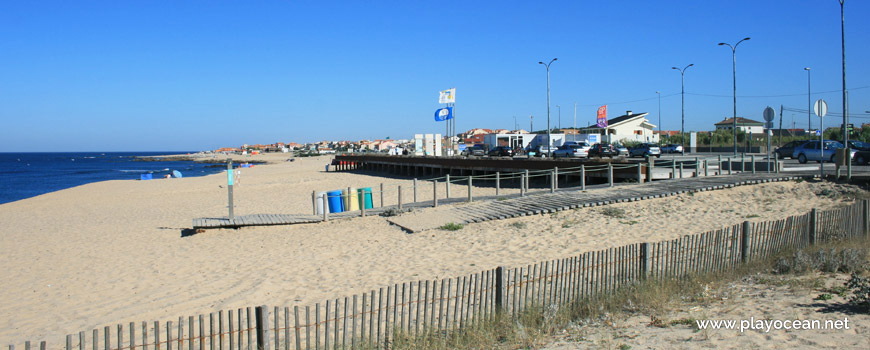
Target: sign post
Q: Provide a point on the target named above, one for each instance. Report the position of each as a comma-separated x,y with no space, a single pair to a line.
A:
230,187
769,114
821,108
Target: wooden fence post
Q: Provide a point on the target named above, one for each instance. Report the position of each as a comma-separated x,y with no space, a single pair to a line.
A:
681,170
415,188
730,166
644,260
469,189
649,168
865,214
610,174
400,197
497,183
500,290
639,173
362,201
814,217
705,168
752,159
527,180
720,164
447,183
673,168
434,193
382,194
262,314
744,241
552,180
583,177
697,168
522,184
314,202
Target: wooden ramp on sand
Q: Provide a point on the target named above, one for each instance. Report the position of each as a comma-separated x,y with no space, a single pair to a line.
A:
503,207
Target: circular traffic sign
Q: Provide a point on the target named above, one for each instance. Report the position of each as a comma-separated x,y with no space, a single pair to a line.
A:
769,114
820,107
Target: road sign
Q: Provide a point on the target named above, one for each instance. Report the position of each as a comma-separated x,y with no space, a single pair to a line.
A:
768,125
769,114
818,133
820,107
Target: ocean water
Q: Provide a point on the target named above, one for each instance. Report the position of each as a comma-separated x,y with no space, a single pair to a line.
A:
25,175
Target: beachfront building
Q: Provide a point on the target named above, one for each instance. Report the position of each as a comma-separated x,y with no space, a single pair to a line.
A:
627,127
748,126
512,140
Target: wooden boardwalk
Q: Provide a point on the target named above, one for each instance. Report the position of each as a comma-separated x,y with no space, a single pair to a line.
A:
509,206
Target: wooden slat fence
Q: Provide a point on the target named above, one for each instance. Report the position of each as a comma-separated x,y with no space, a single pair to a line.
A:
436,307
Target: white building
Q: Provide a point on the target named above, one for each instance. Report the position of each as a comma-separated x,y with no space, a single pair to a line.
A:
628,127
748,126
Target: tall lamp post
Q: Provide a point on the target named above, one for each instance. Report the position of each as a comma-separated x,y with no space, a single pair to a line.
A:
845,108
549,150
734,85
682,105
560,116
809,101
660,115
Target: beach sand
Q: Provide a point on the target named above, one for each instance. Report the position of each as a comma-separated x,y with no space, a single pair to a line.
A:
112,252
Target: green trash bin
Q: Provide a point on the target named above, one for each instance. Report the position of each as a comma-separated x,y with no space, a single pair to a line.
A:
365,197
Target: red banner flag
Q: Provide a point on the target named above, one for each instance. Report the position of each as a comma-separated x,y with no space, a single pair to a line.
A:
602,116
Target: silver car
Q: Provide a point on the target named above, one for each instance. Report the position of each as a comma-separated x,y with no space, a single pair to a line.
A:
645,150
572,150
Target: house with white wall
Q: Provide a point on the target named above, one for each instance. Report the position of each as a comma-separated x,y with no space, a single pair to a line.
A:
627,127
748,126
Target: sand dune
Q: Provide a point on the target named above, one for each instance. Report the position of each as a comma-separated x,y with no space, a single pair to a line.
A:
112,252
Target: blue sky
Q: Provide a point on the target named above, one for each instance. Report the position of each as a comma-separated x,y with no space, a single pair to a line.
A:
194,75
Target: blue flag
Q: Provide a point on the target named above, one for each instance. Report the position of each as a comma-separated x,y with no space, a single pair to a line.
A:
443,114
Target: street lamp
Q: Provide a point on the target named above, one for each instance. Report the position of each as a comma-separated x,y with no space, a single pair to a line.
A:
560,116
549,150
660,115
809,101
845,109
734,84
682,105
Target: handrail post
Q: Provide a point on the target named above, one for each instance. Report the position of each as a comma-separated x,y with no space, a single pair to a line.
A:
674,168
556,178
639,173
400,198
435,193
469,189
415,186
697,168
583,177
522,184
730,166
610,174
447,183
382,194
649,170
497,183
314,202
752,159
528,180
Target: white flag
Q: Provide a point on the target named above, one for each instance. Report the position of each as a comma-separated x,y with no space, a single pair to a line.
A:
447,96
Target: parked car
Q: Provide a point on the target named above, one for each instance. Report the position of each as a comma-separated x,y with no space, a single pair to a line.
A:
573,150
501,151
603,150
672,148
811,151
787,150
540,151
861,157
623,151
858,145
645,150
476,150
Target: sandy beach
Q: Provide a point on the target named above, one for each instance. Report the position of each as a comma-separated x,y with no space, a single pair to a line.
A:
112,252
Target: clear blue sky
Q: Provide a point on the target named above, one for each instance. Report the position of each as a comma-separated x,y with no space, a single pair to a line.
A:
194,75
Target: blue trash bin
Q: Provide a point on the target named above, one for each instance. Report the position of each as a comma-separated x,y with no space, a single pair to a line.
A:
335,201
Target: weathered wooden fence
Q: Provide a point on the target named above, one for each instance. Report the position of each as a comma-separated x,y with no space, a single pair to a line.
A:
438,307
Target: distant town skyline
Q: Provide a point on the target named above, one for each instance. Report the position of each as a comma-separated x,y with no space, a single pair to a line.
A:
125,76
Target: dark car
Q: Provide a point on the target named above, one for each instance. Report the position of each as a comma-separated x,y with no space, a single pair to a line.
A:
476,150
501,151
787,149
859,146
603,150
